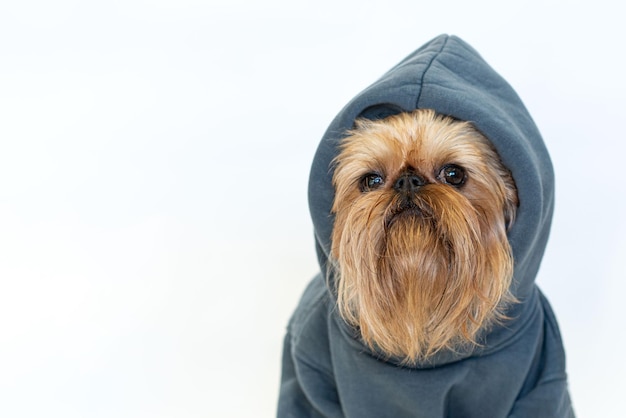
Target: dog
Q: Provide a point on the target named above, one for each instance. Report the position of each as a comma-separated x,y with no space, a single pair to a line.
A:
420,252
431,195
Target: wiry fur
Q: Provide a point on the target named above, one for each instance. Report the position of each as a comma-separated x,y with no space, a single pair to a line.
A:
417,281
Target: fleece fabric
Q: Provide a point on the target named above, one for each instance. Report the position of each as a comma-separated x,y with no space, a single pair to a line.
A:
519,368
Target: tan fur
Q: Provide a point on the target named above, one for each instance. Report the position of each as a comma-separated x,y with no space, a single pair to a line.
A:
432,279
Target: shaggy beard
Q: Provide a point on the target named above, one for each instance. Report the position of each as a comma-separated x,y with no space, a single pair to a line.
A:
425,278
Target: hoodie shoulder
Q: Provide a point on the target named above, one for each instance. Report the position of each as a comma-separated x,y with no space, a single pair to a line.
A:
308,328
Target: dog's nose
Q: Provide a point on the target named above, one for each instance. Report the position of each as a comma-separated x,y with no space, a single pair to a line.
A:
408,183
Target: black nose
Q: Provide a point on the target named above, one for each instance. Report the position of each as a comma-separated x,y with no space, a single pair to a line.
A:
408,183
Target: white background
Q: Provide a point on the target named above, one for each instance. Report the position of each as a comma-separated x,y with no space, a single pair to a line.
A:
154,155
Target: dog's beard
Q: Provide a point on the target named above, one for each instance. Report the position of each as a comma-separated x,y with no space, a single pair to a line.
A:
424,278
422,273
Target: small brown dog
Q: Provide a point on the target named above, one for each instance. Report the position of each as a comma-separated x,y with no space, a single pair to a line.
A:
432,195
419,249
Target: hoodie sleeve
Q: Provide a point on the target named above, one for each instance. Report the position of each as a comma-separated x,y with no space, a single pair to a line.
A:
548,400
549,395
305,390
307,387
292,401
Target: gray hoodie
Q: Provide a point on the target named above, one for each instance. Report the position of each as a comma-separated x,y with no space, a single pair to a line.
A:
519,368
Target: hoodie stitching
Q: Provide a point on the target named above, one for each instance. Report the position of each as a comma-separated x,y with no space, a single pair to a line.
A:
428,68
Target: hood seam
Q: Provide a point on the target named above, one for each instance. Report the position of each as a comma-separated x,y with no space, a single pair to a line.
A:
421,82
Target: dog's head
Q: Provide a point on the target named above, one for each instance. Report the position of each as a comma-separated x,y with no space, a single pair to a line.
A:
419,245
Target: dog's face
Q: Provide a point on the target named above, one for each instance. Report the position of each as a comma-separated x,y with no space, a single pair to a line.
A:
419,246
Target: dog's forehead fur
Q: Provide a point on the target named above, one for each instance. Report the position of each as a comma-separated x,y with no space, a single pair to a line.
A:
422,141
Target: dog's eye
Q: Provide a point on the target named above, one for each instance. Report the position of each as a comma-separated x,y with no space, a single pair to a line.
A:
453,175
371,181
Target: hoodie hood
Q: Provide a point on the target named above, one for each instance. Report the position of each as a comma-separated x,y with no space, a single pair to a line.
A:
449,76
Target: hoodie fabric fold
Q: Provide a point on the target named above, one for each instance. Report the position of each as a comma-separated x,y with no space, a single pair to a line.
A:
519,367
